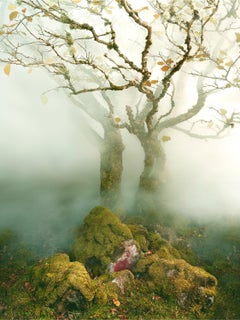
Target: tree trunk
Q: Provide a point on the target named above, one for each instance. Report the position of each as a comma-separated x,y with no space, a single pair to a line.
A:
148,198
154,163
111,167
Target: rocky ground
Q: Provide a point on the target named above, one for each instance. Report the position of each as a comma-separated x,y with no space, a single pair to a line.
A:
119,268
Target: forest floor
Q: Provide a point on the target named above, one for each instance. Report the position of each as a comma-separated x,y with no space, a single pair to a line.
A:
216,248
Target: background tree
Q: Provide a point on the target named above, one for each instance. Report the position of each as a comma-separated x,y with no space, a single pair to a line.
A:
131,58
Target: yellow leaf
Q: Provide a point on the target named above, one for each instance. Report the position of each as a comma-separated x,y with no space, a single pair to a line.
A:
165,68
72,50
229,63
166,138
156,15
160,63
142,9
117,119
154,81
116,302
48,60
7,69
210,124
169,61
13,15
44,99
237,36
147,83
12,6
223,112
76,1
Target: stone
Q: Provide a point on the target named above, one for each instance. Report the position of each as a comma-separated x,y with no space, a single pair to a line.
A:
100,240
62,284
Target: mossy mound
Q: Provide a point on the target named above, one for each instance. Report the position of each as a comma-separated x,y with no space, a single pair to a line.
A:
62,284
192,287
99,240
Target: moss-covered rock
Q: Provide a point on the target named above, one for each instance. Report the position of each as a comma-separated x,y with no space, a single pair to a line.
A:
62,284
191,286
100,240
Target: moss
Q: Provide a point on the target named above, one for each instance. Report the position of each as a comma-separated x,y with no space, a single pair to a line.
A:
57,281
101,235
7,236
140,234
192,286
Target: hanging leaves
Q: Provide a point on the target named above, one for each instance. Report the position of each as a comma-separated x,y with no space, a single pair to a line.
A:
13,15
7,69
166,138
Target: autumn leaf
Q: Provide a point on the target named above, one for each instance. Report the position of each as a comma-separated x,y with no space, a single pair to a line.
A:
147,83
76,1
169,61
117,119
160,63
156,16
165,68
72,50
7,69
223,111
154,81
116,302
210,124
237,34
142,9
12,6
166,138
13,15
44,99
229,63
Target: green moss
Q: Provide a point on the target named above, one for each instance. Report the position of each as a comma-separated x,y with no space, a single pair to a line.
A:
101,235
192,286
56,280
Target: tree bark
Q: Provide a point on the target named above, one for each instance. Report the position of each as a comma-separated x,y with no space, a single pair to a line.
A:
111,167
148,198
154,163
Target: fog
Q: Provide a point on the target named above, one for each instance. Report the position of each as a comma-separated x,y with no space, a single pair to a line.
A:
49,162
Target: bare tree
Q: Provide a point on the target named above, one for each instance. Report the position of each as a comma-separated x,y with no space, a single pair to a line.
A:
104,48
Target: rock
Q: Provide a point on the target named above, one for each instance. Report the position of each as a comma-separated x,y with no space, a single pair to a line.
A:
192,287
127,259
62,284
123,280
101,240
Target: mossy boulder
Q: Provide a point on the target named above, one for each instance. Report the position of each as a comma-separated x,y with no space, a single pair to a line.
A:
62,284
100,240
111,285
192,287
